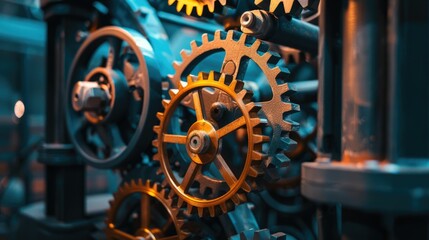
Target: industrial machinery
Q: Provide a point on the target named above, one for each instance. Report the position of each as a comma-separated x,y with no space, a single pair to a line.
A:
235,119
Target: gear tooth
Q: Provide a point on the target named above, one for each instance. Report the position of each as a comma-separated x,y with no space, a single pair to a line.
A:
219,34
170,2
164,183
200,10
212,211
176,65
171,194
180,202
184,53
190,79
200,211
182,85
281,160
286,89
160,116
258,156
245,95
286,143
223,207
214,76
157,129
236,85
133,183
195,45
255,122
290,126
270,59
235,199
253,107
189,209
165,103
258,2
173,92
230,35
255,171
205,38
246,187
260,138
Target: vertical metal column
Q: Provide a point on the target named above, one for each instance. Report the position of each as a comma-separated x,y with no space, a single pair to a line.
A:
408,82
65,176
329,96
364,80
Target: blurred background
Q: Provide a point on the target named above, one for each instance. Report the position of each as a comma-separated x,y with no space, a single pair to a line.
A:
22,96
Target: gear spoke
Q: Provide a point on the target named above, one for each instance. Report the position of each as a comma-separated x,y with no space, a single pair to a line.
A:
115,46
145,211
225,171
171,138
198,105
189,177
232,126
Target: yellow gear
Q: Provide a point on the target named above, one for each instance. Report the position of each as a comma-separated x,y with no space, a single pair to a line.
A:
203,143
198,7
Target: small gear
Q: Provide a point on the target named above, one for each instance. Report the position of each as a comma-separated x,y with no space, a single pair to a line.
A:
204,146
292,7
198,7
240,50
143,210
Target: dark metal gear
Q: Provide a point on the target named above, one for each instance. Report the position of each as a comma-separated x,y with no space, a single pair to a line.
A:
240,51
114,91
292,7
204,146
142,210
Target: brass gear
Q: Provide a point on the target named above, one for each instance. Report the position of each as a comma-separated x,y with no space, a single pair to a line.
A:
198,7
145,229
292,7
239,49
204,145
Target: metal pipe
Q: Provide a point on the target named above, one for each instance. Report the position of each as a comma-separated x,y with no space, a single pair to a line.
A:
285,31
306,91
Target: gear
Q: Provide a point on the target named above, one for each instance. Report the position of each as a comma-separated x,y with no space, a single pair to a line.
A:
292,7
240,51
199,7
204,145
113,92
143,210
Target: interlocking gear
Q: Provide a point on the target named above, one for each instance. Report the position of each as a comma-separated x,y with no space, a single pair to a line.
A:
142,210
205,152
113,92
292,7
198,7
240,50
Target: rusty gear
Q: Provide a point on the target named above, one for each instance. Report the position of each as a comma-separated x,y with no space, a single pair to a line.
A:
239,49
147,227
204,145
198,7
292,7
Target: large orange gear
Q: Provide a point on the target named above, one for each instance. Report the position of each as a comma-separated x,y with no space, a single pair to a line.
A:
203,143
198,7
